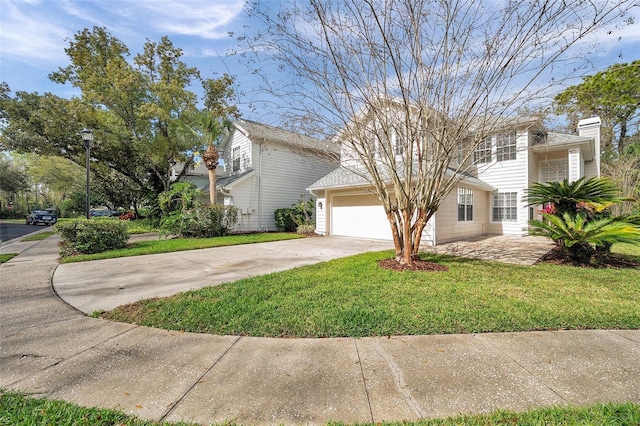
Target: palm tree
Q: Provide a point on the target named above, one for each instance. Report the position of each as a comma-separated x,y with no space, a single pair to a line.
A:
208,129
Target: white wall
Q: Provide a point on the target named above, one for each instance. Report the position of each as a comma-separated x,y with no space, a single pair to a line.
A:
509,176
281,177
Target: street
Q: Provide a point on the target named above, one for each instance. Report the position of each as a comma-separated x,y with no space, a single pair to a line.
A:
9,231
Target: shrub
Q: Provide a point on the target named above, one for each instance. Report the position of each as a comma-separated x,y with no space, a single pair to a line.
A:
284,219
583,239
200,221
82,236
288,219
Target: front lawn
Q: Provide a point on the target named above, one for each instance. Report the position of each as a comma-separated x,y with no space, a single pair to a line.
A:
156,245
355,297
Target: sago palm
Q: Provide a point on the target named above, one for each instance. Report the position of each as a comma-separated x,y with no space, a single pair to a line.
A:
580,237
566,196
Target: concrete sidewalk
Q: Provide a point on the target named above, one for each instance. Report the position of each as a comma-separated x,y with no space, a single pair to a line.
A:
49,348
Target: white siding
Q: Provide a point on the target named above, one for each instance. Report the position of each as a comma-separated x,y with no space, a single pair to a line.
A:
448,228
241,141
281,177
509,176
321,209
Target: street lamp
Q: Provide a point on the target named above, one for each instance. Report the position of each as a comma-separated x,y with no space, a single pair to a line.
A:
87,137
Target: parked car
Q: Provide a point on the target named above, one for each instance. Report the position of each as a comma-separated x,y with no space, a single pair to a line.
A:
103,213
47,217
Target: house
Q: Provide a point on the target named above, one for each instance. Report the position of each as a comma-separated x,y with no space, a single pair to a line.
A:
488,200
264,168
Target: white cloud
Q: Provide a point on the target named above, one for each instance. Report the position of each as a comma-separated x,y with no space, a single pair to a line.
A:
28,35
205,19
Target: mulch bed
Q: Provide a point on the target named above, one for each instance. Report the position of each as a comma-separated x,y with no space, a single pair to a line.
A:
611,260
418,265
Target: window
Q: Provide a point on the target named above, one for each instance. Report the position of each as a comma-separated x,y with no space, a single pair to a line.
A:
465,204
554,170
235,155
398,142
506,146
482,153
504,207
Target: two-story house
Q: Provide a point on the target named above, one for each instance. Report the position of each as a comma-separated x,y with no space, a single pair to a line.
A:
488,200
264,168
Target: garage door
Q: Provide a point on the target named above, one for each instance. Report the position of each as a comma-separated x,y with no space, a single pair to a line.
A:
359,216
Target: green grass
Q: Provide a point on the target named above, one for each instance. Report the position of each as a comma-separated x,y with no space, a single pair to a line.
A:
355,297
7,256
20,409
39,236
181,244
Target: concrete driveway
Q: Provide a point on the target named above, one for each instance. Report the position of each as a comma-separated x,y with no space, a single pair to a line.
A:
106,284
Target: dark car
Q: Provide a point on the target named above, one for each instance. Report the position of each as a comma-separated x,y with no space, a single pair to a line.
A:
103,213
42,216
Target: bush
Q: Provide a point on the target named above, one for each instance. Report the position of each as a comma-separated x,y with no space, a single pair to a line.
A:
289,219
200,222
82,236
284,219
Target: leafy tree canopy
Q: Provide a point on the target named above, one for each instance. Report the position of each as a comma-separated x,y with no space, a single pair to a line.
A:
131,105
614,95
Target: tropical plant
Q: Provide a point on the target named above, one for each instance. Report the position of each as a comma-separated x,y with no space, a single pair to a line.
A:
206,131
566,196
580,237
186,217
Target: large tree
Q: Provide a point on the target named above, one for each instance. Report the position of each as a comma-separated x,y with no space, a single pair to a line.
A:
614,95
131,104
426,70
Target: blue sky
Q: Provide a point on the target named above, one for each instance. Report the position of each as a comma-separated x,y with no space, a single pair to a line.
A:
33,36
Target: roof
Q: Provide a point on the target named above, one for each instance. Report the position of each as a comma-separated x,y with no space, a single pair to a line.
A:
493,124
348,178
556,141
226,182
258,133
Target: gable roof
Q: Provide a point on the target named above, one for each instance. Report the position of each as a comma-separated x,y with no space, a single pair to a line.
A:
259,133
343,177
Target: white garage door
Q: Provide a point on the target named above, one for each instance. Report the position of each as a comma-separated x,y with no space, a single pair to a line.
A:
359,216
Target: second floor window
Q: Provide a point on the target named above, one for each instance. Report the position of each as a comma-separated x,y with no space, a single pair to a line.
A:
506,146
554,170
235,155
482,152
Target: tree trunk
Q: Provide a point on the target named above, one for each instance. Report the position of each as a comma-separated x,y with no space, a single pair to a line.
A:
210,158
212,186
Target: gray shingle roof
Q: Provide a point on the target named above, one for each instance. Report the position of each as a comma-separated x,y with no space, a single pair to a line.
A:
257,132
347,178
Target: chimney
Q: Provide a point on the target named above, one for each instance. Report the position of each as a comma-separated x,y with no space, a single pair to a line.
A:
590,128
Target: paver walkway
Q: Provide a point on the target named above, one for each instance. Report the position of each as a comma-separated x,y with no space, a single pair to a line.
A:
49,348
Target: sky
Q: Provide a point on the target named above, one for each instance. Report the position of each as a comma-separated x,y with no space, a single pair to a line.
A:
34,34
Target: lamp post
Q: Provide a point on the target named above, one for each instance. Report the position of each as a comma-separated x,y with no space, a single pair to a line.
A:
87,137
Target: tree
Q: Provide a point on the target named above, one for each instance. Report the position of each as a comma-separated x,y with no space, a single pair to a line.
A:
13,180
427,71
206,132
131,107
614,95
625,172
